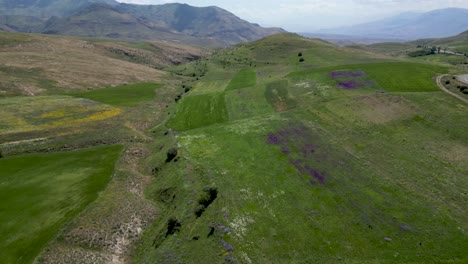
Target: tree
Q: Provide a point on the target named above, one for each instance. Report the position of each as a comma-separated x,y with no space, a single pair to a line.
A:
438,49
300,54
301,60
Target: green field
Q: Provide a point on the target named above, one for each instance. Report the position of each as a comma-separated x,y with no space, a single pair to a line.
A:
392,76
244,78
247,102
41,192
124,95
198,111
208,87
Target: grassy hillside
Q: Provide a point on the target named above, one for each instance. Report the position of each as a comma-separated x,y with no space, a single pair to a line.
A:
41,64
125,95
283,150
338,162
40,193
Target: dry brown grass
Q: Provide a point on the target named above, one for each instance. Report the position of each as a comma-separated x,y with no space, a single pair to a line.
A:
39,64
380,109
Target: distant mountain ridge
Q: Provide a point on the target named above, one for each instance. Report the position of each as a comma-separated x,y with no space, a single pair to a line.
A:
109,19
47,8
411,26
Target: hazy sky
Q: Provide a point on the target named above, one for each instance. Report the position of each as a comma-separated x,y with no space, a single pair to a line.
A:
310,15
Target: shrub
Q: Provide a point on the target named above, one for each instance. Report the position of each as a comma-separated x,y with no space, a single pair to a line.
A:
301,60
300,54
447,82
171,154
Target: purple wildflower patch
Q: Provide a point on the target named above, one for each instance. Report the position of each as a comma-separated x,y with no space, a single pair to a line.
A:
351,85
300,145
347,74
227,246
273,139
352,79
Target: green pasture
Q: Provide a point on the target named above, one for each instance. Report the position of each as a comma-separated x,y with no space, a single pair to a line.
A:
244,78
247,102
124,95
208,87
382,193
306,172
391,76
41,192
198,111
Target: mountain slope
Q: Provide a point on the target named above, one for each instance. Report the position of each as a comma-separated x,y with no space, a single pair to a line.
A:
46,8
210,21
441,41
410,26
209,26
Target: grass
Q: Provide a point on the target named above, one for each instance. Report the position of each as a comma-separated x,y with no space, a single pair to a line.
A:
277,95
208,87
247,102
124,95
198,111
41,192
393,76
338,173
244,78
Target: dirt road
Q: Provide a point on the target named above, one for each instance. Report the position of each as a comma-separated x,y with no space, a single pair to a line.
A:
441,86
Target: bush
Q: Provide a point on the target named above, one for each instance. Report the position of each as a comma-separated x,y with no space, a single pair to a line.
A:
447,82
300,54
301,60
171,154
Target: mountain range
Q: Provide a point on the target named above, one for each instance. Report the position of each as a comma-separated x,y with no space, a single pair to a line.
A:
410,26
211,26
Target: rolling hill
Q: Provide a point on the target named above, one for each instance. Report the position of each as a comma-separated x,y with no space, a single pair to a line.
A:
44,64
458,43
411,26
282,150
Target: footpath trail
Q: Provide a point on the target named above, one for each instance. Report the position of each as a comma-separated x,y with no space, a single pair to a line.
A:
441,86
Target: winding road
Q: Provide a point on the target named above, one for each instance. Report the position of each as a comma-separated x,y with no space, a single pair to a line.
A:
441,86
